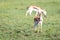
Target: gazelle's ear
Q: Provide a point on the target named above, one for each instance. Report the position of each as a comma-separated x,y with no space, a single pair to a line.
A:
44,12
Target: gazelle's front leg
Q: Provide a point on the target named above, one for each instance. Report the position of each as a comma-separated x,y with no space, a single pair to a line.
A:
35,24
40,26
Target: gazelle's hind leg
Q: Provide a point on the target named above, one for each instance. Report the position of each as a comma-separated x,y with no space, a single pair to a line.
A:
28,12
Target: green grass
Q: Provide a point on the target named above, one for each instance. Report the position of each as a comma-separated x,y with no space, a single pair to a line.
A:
14,25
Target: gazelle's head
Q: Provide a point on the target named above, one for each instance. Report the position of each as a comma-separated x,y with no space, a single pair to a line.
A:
44,12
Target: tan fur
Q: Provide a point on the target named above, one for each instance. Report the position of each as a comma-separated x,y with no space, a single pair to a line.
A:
37,18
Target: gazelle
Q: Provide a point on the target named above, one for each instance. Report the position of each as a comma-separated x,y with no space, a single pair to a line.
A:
36,9
38,19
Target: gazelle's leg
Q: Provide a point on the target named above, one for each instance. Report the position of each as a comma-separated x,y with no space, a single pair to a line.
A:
27,12
40,26
35,24
30,12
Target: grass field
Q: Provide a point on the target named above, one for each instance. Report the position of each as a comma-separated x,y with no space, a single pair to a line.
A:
14,25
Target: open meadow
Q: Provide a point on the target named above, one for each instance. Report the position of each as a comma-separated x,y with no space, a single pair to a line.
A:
14,25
